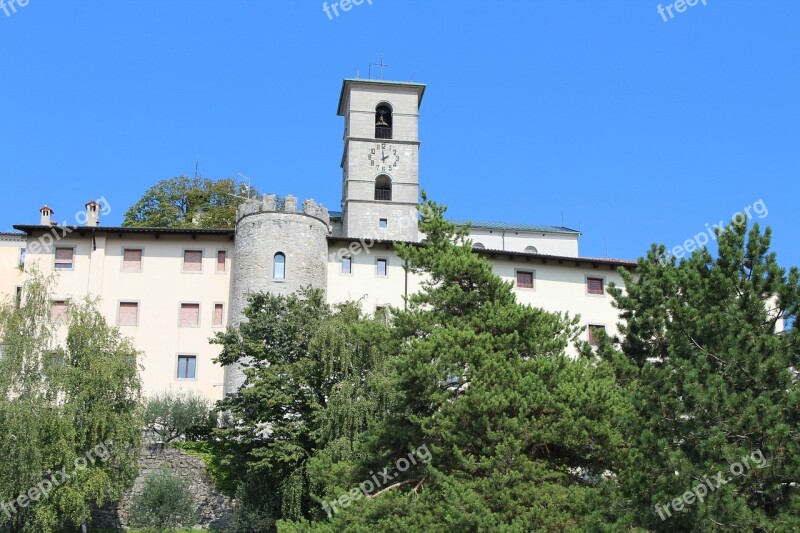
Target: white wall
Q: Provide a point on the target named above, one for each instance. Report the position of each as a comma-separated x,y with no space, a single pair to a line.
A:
159,289
563,244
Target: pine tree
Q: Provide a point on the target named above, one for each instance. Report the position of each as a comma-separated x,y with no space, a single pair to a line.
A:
519,432
714,383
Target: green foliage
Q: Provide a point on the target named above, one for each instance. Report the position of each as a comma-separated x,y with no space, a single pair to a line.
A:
713,382
59,400
172,415
312,375
519,432
218,474
164,503
180,201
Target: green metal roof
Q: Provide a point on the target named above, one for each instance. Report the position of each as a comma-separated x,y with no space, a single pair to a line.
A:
504,226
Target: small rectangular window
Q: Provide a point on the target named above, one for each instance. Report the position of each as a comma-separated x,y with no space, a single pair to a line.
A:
59,311
132,260
596,332
64,258
594,286
381,267
383,223
222,256
187,367
524,279
192,260
190,315
347,265
22,257
218,312
128,314
18,298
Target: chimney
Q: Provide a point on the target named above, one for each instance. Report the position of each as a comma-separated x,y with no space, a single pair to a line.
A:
92,213
47,216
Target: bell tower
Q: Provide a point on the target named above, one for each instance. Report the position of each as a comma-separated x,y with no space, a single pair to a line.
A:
380,162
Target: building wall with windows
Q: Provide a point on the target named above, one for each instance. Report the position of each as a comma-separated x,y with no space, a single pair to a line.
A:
12,255
168,291
171,290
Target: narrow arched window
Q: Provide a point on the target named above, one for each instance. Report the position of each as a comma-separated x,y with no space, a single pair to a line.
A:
383,188
279,266
383,122
478,246
531,250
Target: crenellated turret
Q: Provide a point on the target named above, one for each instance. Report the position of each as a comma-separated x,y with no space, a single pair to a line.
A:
278,250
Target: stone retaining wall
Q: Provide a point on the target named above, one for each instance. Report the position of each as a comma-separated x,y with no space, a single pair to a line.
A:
213,508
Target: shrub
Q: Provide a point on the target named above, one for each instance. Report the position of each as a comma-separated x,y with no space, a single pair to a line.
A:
164,504
174,415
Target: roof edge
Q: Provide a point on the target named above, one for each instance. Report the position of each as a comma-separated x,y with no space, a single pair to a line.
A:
349,81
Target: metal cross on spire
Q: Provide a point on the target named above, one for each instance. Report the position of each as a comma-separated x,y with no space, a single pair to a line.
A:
381,66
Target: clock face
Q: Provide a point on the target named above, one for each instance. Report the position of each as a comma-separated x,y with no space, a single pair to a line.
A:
384,157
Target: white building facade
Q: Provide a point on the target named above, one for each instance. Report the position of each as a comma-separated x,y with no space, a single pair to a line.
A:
171,290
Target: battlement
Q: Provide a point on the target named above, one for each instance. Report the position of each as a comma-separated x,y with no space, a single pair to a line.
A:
269,204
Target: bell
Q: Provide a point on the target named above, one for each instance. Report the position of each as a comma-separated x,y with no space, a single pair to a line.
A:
381,122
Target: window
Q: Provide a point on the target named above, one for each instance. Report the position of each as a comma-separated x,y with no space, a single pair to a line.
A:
128,314
531,250
383,122
478,246
381,267
192,260
190,315
382,313
595,286
218,312
279,266
222,255
22,257
132,260
383,188
187,366
64,258
383,223
18,298
347,265
59,311
524,279
596,332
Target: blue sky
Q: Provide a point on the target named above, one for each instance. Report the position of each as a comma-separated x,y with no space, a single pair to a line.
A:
633,129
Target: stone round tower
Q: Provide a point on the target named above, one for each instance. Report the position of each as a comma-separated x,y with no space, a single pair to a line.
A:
276,251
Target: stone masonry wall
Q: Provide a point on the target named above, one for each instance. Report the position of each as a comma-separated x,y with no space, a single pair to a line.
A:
213,508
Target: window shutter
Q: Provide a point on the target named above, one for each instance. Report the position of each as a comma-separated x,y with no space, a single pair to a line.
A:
59,311
128,313
595,285
525,280
221,255
192,260
218,314
132,260
64,257
190,314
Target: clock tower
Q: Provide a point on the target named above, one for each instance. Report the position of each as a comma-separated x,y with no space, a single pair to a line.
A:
380,163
